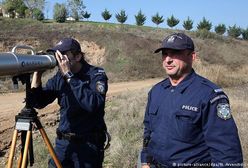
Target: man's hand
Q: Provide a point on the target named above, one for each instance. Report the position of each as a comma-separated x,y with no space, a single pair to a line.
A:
63,61
36,81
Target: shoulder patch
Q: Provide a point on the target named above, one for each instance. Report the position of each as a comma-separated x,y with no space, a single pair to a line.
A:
218,97
224,111
101,87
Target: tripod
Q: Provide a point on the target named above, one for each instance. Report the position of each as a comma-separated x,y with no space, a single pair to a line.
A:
24,123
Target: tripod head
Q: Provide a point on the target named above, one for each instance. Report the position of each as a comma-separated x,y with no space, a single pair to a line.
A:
28,111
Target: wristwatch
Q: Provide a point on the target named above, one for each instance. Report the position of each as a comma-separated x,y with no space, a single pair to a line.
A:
68,76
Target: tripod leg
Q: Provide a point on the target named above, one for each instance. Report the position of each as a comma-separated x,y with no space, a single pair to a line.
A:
50,148
25,152
23,139
31,151
12,149
19,164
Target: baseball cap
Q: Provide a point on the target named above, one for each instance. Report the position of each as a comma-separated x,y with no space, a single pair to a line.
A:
177,41
66,44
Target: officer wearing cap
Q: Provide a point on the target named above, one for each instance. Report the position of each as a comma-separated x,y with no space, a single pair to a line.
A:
81,91
188,121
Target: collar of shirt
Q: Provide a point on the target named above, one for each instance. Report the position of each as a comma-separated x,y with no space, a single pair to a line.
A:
182,86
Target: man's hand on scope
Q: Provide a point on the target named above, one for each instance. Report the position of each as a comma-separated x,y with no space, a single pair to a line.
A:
63,61
36,81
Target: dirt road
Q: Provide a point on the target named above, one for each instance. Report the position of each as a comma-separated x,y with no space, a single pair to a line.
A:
12,103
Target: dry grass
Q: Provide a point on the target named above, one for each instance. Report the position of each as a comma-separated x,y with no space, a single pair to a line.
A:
238,99
124,117
223,75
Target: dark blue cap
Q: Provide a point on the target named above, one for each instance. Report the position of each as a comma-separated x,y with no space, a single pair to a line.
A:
177,41
66,44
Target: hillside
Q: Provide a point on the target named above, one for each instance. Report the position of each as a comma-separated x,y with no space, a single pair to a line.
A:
125,51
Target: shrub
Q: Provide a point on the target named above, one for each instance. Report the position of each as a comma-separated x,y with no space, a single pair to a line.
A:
121,17
188,24
140,18
86,15
245,34
106,15
234,31
172,21
157,19
220,29
204,24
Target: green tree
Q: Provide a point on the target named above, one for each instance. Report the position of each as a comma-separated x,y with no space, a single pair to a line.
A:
21,10
204,24
106,15
10,7
121,17
245,34
28,13
38,14
172,21
86,15
60,13
220,29
188,24
140,18
34,4
234,31
157,19
76,9
15,6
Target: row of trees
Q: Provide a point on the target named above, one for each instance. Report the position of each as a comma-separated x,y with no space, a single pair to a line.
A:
76,10
204,24
140,18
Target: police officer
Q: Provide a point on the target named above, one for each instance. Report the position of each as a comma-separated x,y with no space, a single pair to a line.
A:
188,121
81,90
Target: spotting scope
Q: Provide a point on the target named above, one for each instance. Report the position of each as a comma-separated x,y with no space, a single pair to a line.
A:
14,64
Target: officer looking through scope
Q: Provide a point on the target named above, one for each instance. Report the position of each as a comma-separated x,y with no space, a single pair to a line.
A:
81,91
188,119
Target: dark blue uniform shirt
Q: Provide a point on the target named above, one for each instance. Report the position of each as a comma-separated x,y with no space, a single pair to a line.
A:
184,125
81,101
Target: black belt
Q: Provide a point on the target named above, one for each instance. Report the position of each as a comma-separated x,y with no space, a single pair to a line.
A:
94,137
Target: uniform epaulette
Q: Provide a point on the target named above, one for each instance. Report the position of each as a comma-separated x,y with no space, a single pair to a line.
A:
216,89
213,86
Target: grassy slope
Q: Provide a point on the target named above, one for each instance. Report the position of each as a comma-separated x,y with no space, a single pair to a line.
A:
128,49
